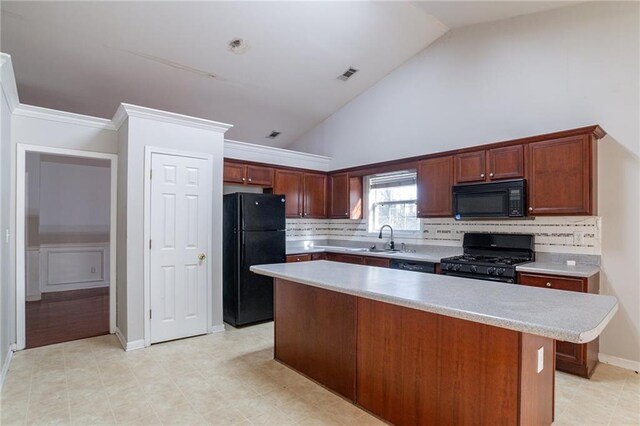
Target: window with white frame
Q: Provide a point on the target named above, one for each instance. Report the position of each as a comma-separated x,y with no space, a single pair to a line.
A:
392,201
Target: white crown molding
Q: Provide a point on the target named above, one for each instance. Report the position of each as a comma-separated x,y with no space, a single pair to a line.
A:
8,81
270,155
127,110
63,117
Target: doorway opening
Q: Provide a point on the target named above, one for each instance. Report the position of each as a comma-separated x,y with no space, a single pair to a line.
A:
67,251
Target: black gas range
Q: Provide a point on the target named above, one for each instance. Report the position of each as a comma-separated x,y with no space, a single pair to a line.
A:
490,256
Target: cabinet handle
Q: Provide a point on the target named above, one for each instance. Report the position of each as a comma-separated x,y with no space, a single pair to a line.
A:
346,213
490,175
530,209
418,211
481,175
249,179
243,179
548,284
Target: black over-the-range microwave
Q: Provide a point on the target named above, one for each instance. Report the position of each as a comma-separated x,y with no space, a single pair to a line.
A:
506,199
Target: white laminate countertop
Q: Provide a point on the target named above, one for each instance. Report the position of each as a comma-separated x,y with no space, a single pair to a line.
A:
580,270
561,315
430,256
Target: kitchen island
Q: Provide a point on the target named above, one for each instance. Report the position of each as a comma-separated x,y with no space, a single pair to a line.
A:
418,348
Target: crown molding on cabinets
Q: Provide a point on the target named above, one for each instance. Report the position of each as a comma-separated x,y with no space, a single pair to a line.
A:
128,110
243,151
8,82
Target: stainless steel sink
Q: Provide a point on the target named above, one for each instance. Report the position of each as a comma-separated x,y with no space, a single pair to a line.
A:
378,250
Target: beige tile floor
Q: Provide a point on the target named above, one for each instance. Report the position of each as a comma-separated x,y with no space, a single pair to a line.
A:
227,379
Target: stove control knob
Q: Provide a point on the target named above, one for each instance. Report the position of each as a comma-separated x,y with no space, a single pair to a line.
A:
491,270
474,268
500,271
446,266
456,267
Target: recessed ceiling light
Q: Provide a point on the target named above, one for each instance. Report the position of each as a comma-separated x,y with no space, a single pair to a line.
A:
347,74
238,46
274,134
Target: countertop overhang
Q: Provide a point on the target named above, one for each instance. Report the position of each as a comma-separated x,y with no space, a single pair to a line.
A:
561,315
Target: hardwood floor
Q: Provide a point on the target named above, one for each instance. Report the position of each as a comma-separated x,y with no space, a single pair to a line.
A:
67,315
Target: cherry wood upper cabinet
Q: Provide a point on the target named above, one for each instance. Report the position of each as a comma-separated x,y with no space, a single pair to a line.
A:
233,173
435,178
289,183
561,176
315,196
247,174
493,164
258,175
506,162
470,167
345,196
339,199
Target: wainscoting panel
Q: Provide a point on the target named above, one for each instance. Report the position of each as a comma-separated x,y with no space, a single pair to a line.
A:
73,267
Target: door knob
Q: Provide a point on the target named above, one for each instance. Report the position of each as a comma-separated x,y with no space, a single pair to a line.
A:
202,257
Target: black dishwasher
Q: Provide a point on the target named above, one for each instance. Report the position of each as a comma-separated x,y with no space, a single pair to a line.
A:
415,266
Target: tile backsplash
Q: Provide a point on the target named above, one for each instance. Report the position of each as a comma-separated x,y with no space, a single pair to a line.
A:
570,234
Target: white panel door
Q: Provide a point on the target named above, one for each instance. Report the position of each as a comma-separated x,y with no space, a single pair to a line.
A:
180,216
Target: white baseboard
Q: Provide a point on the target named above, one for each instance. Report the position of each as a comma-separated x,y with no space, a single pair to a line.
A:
619,362
128,346
5,365
216,328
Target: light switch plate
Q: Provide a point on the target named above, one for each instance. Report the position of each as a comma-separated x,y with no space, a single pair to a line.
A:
540,359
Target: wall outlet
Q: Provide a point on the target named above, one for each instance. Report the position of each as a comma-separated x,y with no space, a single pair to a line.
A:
540,359
578,238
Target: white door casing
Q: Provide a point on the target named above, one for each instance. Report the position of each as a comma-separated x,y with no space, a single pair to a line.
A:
180,213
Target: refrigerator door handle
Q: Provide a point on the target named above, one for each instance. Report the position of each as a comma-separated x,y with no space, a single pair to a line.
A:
242,248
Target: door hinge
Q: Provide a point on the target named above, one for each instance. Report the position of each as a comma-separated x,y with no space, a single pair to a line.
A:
150,314
149,244
151,174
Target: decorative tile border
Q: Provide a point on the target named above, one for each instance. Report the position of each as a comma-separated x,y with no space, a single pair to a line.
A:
552,234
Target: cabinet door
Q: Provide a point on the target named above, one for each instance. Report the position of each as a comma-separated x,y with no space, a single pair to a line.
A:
318,256
262,176
435,178
339,196
560,176
289,183
233,172
506,163
315,196
298,258
348,258
470,167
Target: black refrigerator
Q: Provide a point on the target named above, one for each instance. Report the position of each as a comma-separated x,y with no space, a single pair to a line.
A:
253,234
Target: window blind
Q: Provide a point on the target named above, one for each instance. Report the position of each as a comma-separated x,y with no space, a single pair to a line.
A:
388,180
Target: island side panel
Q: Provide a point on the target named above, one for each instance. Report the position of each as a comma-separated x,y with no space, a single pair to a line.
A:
537,387
315,334
416,367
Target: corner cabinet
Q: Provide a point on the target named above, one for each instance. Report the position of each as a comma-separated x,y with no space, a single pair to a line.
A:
562,176
289,183
345,196
435,178
574,358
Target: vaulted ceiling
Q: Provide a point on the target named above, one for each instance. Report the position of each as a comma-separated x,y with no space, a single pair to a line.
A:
88,57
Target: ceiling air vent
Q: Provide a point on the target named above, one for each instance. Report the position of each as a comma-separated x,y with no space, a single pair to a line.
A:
273,135
347,74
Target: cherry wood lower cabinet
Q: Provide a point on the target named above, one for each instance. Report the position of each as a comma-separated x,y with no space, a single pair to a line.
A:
573,358
411,367
298,258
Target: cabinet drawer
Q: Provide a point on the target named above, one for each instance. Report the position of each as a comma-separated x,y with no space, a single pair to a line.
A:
298,258
555,282
318,256
377,261
345,258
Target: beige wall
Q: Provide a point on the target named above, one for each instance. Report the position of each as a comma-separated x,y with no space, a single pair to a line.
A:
566,68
